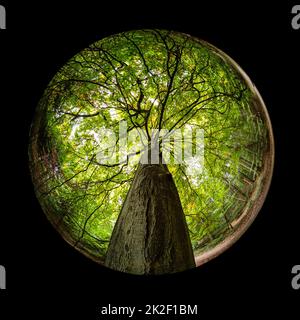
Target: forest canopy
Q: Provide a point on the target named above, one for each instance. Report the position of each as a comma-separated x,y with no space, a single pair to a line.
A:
151,80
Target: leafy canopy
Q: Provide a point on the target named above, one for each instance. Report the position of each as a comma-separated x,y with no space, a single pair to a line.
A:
152,79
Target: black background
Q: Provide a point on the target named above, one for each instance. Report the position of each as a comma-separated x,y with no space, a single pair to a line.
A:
45,276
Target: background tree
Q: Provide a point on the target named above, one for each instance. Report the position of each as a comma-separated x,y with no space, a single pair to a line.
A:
152,79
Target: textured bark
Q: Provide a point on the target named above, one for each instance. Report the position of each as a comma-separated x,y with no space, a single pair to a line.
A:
151,235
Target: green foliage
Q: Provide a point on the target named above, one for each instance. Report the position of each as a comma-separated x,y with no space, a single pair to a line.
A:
151,79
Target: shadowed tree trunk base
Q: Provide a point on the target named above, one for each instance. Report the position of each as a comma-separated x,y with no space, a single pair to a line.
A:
151,235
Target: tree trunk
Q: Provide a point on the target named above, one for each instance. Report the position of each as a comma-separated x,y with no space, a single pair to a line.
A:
151,234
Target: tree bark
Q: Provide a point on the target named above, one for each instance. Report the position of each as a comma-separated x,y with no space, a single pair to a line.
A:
151,234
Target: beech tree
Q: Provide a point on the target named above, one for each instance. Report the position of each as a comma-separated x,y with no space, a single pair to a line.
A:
149,218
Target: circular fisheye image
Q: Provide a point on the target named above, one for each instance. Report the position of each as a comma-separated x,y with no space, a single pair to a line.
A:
151,152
